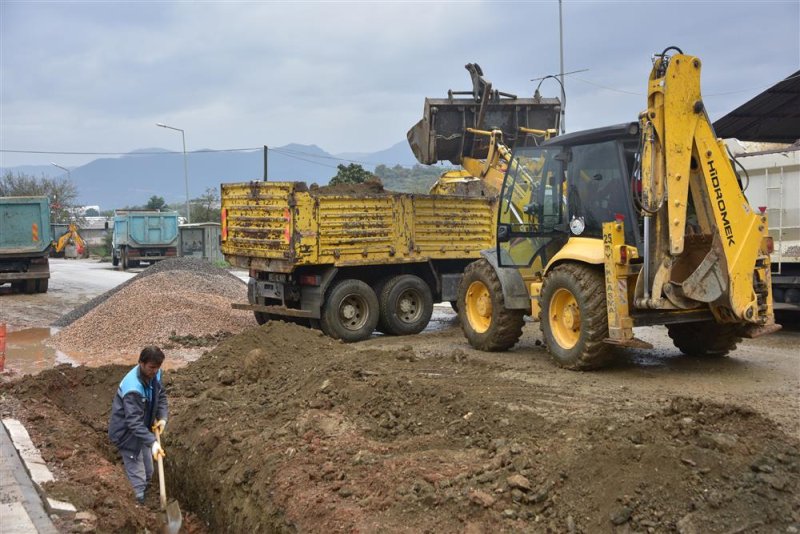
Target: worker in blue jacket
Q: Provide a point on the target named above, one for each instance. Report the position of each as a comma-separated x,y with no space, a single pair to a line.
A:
139,407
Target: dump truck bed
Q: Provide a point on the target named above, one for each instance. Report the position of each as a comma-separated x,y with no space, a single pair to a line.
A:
279,226
24,226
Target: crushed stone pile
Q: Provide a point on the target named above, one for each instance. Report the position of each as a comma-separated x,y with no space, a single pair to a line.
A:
181,298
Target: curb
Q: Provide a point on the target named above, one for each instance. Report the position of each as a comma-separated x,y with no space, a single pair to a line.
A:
36,467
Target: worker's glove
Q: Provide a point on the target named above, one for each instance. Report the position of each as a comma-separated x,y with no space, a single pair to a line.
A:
158,452
159,426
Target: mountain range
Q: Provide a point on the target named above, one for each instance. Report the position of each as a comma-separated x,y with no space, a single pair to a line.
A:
133,178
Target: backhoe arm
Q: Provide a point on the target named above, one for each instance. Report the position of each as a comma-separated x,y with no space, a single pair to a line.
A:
681,156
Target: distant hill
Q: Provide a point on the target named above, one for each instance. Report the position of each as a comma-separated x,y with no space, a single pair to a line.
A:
133,178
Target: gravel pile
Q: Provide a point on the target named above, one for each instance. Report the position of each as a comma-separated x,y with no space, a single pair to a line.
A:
192,265
180,297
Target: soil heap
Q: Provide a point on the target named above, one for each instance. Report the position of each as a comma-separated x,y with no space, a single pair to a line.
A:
280,429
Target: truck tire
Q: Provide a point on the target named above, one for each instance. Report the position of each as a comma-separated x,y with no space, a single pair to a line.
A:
486,322
705,339
42,284
30,286
574,319
350,312
114,259
124,258
406,305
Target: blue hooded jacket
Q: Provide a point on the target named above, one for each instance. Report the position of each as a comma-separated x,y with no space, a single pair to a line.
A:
135,408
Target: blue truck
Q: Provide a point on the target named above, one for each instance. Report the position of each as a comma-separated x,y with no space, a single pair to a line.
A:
25,242
143,236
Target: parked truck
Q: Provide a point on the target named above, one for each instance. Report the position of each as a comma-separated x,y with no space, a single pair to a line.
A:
25,241
143,236
352,263
772,180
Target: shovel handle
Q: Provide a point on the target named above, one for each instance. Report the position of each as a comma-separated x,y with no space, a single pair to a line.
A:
162,487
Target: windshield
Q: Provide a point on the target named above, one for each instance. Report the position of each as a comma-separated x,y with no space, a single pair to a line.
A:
531,204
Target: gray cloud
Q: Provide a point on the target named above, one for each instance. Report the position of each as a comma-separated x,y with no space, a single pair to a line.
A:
347,76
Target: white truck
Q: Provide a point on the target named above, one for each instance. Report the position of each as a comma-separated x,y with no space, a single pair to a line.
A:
774,185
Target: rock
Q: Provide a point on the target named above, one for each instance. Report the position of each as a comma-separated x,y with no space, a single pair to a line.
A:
226,377
775,482
762,467
689,462
325,385
508,513
86,517
481,498
717,440
345,492
571,528
519,482
687,525
621,516
517,495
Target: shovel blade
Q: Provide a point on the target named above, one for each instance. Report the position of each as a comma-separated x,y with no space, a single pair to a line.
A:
172,518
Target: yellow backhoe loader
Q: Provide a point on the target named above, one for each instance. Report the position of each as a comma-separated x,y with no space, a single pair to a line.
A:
631,225
71,236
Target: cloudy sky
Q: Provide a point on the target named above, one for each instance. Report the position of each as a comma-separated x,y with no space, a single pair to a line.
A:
95,76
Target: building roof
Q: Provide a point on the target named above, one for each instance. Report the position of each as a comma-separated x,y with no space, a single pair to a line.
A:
772,116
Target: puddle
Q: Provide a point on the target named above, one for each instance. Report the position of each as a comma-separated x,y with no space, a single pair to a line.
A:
26,353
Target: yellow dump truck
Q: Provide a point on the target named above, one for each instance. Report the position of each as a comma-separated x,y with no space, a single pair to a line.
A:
364,259
351,263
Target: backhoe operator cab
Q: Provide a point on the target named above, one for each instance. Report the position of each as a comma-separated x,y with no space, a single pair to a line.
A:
607,229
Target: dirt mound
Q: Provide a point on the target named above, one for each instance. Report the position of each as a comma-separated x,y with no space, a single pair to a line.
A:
368,188
296,431
282,429
167,306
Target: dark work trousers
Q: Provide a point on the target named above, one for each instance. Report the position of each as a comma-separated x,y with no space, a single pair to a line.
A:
139,468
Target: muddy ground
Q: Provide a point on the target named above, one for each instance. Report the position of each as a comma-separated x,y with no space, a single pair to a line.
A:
280,429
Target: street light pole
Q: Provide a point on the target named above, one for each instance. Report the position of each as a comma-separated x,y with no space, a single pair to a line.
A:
69,174
185,168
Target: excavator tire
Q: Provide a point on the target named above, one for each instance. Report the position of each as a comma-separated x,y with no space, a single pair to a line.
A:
486,322
574,320
350,312
705,339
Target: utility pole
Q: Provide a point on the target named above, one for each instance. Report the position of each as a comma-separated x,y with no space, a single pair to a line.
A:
266,153
561,74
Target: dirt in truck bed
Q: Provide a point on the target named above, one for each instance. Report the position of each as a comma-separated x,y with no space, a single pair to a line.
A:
280,429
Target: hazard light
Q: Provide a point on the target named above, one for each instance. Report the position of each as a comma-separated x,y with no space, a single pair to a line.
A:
769,244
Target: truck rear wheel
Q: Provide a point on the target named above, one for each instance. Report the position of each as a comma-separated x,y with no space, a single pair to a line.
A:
574,320
42,284
486,322
406,305
350,312
705,339
114,259
124,258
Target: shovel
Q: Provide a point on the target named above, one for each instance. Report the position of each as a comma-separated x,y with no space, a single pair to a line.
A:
171,516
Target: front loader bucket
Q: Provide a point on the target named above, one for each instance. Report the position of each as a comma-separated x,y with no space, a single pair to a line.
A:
442,134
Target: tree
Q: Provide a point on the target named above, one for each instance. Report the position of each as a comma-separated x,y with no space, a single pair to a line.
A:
352,174
206,208
61,192
91,212
156,203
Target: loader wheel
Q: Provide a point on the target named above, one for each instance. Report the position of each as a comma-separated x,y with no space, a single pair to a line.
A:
350,312
406,305
30,286
574,320
705,339
486,322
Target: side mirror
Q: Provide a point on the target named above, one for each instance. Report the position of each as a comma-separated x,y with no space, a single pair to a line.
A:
503,233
